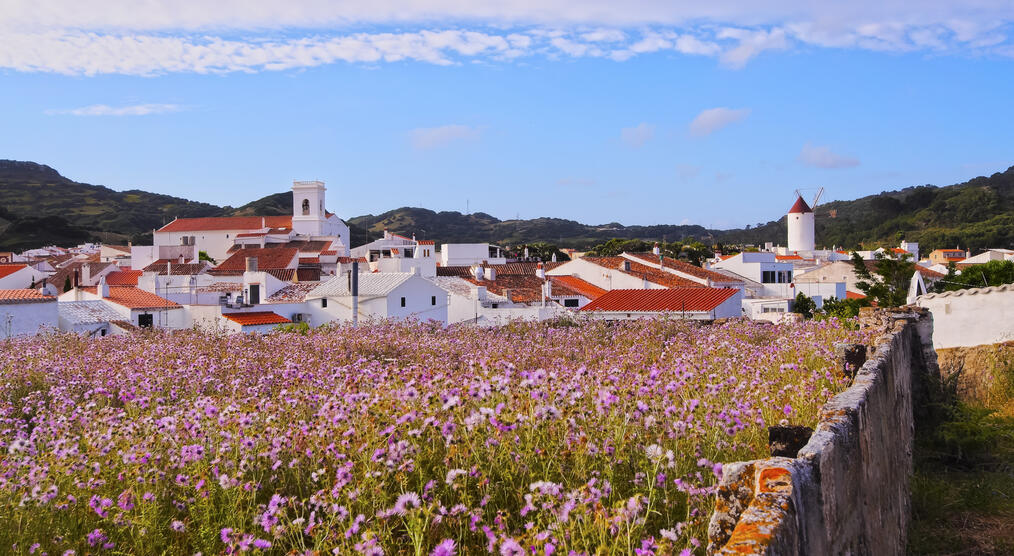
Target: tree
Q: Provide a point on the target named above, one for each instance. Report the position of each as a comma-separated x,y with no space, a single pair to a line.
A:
993,273
66,284
887,283
545,251
843,308
804,305
615,246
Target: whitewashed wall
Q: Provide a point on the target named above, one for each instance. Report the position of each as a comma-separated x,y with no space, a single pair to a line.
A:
971,317
28,319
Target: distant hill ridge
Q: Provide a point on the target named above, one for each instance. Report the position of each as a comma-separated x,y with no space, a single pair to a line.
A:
39,206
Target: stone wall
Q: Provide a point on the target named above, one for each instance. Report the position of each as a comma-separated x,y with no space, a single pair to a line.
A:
847,490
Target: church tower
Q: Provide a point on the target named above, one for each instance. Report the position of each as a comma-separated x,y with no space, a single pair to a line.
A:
308,214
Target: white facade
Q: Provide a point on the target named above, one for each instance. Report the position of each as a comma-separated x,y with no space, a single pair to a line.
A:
383,296
27,318
801,231
774,277
990,255
971,317
21,278
468,254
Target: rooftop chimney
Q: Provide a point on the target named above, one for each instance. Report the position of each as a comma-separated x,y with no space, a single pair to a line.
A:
655,250
251,264
540,271
491,273
477,271
103,288
181,258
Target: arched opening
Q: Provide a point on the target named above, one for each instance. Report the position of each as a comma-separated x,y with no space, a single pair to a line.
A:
306,207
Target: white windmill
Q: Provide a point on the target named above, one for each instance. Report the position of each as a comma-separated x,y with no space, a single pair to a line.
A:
801,223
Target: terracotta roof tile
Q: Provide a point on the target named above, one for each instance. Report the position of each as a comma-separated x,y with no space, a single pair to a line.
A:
256,318
679,299
10,297
653,275
522,289
267,258
123,277
800,207
509,269
8,269
685,267
177,269
135,298
292,292
854,295
225,223
579,286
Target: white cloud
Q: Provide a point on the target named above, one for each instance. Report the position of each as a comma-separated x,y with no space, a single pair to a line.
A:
714,119
106,110
750,44
638,135
823,157
426,138
165,36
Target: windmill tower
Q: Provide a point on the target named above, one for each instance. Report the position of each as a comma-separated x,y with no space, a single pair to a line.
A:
801,223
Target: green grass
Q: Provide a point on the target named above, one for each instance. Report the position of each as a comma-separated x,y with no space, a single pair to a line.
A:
963,486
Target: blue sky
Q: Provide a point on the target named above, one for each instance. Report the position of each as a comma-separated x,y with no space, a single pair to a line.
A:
658,112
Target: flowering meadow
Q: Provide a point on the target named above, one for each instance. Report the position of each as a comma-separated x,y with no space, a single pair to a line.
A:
395,438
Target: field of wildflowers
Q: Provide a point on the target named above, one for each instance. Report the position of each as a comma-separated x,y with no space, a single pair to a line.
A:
394,438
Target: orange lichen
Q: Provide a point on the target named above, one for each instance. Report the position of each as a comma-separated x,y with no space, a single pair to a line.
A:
774,479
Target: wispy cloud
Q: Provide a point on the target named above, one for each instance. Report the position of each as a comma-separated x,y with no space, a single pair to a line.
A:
823,157
714,119
170,36
426,138
106,110
638,135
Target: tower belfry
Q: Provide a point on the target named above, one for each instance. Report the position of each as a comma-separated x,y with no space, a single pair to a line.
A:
308,213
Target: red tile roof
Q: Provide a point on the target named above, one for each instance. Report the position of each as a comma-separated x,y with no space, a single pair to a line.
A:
225,223
509,269
581,287
177,269
681,299
854,295
252,234
328,253
267,258
348,260
799,207
653,275
134,298
788,258
425,242
120,248
256,318
522,289
309,260
123,277
10,297
8,269
686,268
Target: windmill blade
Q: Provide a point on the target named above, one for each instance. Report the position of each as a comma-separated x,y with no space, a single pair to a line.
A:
816,199
798,194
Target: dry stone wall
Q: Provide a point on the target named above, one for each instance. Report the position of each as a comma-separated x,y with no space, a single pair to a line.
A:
847,490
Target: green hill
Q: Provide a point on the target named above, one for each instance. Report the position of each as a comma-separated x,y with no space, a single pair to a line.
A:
975,214
42,207
38,207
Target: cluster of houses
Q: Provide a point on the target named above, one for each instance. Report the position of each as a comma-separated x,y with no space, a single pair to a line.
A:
252,273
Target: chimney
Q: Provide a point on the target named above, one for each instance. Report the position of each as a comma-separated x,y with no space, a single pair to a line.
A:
181,258
526,253
655,250
554,256
86,274
491,274
477,272
103,288
251,264
540,272
77,279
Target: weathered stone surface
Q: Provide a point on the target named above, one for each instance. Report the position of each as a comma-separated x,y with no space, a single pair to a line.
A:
851,357
847,490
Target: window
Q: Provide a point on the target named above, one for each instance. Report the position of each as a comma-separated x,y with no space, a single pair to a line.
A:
403,302
570,303
323,303
768,277
145,321
433,300
306,207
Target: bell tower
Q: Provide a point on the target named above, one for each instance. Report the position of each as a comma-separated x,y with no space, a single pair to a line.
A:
308,214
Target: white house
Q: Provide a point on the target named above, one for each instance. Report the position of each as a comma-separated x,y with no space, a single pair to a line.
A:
682,303
136,306
468,254
26,312
987,256
971,317
395,295
19,276
93,317
216,235
472,302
